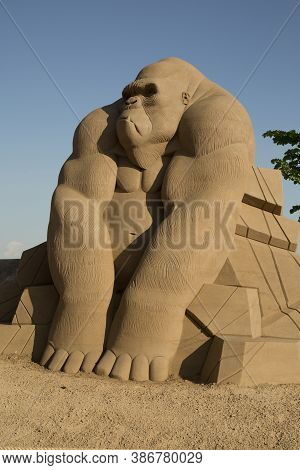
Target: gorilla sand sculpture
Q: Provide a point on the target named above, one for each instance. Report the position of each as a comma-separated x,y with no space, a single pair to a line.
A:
121,287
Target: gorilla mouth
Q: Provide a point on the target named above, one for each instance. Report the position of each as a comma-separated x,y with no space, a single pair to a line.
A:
133,126
127,118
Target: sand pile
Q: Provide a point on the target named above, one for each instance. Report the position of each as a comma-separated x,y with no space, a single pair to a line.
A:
41,409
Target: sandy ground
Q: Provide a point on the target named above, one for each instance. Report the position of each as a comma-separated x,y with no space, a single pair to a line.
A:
42,409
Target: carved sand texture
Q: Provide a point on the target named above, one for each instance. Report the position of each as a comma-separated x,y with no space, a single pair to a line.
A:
148,287
264,190
261,225
10,293
252,363
33,269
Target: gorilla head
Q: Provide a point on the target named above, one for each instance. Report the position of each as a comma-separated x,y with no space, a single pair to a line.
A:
152,108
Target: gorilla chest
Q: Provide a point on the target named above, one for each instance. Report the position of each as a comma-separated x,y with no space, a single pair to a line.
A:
131,178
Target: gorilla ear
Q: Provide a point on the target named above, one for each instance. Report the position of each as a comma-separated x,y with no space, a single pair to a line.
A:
185,97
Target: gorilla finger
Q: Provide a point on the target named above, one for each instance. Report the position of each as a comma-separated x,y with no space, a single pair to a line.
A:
106,363
48,353
89,361
159,369
121,369
58,360
140,369
73,362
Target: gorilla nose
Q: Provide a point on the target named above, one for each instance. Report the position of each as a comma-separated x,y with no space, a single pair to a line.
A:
131,100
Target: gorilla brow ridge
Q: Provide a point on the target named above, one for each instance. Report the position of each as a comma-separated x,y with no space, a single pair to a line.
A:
137,87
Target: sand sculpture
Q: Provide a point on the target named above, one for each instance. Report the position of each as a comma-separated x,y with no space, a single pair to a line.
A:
224,310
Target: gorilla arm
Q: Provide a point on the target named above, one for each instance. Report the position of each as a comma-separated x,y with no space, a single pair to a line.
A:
82,269
185,251
216,138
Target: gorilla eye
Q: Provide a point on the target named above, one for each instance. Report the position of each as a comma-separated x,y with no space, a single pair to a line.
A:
125,94
150,89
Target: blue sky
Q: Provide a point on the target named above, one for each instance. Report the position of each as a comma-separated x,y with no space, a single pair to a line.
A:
93,48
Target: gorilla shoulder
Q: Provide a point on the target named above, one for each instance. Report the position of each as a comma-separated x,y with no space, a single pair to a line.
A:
213,122
96,132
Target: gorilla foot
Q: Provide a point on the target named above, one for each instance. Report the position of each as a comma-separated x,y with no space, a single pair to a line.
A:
142,342
124,367
71,363
75,341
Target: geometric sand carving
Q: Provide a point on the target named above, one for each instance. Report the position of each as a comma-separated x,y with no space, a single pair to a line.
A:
36,306
252,362
10,294
265,190
244,328
23,340
268,228
33,269
28,331
227,311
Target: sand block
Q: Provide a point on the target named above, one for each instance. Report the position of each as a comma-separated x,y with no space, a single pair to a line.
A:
285,323
37,305
36,344
273,180
277,235
270,203
265,190
191,354
252,362
240,316
33,268
253,194
24,340
7,333
266,263
275,273
255,221
10,293
282,327
22,317
243,269
8,269
227,275
296,258
227,310
291,229
289,273
19,341
241,227
265,227
208,302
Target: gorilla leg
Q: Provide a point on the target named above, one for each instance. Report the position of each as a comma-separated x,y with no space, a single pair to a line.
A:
82,272
146,330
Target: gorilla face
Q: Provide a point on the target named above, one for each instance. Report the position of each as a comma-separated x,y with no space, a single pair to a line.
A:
149,118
